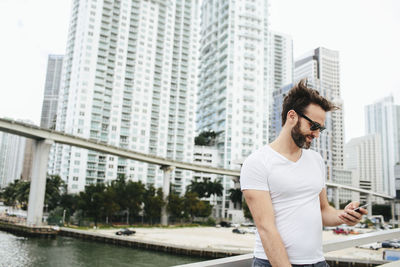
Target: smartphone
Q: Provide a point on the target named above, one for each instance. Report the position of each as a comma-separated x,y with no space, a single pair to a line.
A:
363,206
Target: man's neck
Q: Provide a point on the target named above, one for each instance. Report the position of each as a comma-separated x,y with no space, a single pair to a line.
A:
285,145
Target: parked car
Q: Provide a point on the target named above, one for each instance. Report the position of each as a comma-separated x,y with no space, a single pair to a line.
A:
339,231
225,224
390,244
250,230
238,231
125,231
374,246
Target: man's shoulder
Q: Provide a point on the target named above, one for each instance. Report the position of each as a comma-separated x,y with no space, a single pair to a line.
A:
259,156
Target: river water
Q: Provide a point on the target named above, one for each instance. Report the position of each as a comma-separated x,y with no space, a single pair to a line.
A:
61,251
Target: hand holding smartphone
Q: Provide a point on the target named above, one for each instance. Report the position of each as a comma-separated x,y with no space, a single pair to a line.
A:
358,209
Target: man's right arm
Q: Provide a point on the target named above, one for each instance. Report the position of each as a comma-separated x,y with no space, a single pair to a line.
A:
261,209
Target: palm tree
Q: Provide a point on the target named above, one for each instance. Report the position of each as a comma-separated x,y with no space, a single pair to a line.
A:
22,193
235,194
214,188
200,188
54,188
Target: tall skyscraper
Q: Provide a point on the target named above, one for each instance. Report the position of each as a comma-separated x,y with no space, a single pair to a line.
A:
321,67
275,125
51,91
383,117
281,67
12,148
281,60
129,79
234,76
363,157
234,85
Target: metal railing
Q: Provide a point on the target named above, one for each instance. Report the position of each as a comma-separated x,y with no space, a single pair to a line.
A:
328,246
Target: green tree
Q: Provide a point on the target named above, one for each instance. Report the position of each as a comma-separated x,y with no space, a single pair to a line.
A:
91,201
246,211
206,188
22,193
119,186
175,207
135,192
54,188
190,204
153,202
110,204
205,138
214,188
69,203
203,209
10,194
198,187
235,195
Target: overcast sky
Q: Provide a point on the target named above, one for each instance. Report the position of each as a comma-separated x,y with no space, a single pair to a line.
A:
365,32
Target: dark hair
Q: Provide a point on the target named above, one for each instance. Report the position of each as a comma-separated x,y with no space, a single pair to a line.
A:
300,96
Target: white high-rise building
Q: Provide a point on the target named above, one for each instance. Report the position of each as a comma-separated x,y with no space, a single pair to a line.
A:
281,67
12,149
383,117
129,80
234,85
208,156
363,157
281,60
346,177
49,108
51,91
321,67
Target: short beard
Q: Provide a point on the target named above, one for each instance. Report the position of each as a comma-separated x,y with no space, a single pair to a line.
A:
298,138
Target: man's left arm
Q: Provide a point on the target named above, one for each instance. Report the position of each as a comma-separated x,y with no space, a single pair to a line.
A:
334,217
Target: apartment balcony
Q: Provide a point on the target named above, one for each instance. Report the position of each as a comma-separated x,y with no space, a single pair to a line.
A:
125,118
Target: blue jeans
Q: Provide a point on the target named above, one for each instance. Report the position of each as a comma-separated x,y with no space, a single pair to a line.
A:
265,263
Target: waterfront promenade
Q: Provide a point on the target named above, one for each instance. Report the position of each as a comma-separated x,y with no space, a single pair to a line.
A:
222,240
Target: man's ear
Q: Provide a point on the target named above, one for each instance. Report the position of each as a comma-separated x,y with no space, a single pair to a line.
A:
292,116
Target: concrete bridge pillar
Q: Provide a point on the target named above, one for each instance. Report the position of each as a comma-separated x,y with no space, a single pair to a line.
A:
38,182
393,210
369,202
337,203
166,183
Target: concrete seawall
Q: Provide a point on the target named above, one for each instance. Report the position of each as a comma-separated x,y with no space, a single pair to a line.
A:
21,229
210,253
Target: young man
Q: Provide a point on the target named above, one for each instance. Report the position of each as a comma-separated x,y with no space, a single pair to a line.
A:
284,186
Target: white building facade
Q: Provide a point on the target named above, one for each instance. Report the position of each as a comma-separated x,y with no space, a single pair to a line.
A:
350,178
234,85
129,80
321,67
363,157
383,117
282,71
208,156
51,91
281,63
12,150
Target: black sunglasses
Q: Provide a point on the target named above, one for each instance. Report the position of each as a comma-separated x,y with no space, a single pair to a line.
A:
314,125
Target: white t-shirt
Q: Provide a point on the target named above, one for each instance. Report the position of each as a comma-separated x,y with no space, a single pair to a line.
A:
294,188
